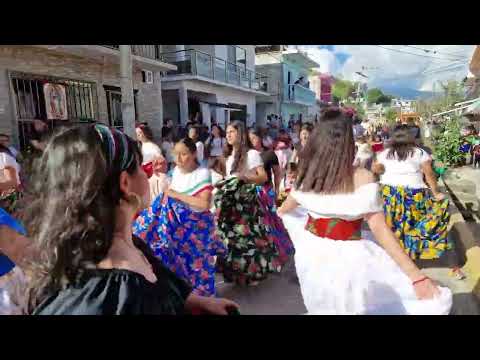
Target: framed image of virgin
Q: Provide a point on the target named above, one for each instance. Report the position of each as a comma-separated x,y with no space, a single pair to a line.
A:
55,101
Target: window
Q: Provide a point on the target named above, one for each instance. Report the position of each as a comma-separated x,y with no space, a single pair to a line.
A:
81,102
114,105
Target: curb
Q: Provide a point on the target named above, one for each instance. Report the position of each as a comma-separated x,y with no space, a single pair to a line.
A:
466,239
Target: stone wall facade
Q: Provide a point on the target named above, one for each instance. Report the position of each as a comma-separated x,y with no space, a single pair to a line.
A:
39,61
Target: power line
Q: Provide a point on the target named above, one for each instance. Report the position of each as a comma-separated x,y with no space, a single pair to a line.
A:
445,68
437,52
406,52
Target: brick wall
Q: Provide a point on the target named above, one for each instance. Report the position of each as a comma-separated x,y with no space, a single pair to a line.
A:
38,61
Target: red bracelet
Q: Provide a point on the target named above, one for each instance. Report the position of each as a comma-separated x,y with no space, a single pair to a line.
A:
420,280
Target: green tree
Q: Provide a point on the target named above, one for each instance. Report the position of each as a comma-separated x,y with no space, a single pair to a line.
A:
342,89
373,95
376,96
391,116
447,143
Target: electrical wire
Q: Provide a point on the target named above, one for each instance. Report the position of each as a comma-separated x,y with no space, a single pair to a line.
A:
437,52
407,52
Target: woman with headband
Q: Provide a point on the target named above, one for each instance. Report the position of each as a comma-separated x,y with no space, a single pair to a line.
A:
87,189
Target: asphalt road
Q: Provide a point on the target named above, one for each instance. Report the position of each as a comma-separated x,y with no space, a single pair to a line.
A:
279,294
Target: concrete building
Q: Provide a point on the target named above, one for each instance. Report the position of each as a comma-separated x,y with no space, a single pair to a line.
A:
288,72
404,105
217,82
80,82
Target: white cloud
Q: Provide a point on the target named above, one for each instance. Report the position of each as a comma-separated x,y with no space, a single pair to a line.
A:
387,67
326,59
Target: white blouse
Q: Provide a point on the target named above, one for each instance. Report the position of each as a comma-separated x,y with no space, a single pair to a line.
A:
254,160
351,206
406,173
150,151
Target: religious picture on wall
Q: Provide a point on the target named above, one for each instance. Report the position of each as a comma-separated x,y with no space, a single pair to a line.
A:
55,101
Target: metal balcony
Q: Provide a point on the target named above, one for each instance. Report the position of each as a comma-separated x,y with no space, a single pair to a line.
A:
197,63
301,95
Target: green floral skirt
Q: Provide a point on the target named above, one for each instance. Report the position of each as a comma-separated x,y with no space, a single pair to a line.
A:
252,254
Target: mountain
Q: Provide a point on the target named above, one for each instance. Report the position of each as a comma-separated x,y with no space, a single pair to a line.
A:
406,93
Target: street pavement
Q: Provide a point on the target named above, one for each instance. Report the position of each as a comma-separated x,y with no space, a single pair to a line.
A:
279,294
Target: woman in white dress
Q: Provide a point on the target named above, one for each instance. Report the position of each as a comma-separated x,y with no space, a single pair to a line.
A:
339,271
150,150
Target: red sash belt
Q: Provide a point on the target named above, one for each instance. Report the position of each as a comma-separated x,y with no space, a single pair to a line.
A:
335,229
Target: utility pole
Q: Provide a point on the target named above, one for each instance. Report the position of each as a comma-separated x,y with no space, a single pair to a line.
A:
126,83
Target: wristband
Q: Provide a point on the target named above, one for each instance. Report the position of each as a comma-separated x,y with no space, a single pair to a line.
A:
420,280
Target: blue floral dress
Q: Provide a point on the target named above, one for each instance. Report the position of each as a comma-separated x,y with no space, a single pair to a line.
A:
182,238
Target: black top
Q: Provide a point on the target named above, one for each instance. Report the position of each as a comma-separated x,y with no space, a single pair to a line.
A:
166,131
270,159
120,292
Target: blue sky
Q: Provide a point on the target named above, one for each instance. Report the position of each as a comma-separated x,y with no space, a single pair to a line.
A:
410,66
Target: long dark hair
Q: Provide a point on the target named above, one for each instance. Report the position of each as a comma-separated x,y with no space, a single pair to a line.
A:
240,157
402,144
147,131
72,197
258,132
326,161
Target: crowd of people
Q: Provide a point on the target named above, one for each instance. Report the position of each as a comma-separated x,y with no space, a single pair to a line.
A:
109,225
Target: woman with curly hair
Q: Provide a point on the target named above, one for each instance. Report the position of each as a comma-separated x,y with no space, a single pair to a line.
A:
86,190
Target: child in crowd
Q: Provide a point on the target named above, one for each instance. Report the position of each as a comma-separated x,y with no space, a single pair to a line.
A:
376,143
364,154
476,153
288,182
159,179
167,148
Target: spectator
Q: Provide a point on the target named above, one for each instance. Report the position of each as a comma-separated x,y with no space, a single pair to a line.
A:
194,136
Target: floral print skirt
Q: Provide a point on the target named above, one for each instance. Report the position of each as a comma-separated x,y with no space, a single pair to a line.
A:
418,220
241,223
184,240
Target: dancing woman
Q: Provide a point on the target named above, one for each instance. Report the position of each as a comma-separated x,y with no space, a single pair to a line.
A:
252,254
179,226
150,150
86,190
416,214
339,271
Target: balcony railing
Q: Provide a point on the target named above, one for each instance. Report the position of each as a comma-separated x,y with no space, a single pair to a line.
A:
300,94
146,51
194,62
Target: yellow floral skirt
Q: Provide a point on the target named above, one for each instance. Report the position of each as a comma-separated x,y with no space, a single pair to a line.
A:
418,220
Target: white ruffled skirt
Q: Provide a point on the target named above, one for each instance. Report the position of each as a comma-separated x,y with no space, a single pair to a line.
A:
354,277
